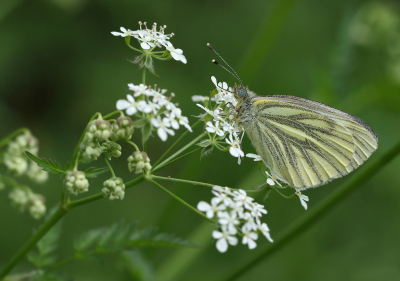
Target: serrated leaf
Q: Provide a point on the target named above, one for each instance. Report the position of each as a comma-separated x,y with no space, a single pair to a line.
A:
47,165
93,172
146,130
204,143
206,151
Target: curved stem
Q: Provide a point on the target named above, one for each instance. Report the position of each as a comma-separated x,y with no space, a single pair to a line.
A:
133,48
144,76
181,201
132,143
316,213
109,166
32,241
174,144
8,138
112,113
184,181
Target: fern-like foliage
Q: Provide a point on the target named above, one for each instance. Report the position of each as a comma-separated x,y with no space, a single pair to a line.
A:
93,172
47,165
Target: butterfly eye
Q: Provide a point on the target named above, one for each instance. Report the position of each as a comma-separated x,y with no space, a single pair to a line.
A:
241,92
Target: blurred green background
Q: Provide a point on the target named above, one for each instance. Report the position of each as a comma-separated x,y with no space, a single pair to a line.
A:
59,65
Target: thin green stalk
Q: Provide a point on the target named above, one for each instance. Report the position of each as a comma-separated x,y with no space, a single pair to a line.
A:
8,138
74,204
112,113
184,181
133,48
316,213
32,241
159,167
183,149
174,144
64,261
257,53
181,201
144,76
109,166
133,144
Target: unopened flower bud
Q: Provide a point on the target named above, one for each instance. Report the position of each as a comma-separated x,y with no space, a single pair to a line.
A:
122,128
90,150
110,148
139,161
76,182
114,188
98,130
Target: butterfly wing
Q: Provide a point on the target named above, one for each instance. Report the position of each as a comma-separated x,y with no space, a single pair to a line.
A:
307,143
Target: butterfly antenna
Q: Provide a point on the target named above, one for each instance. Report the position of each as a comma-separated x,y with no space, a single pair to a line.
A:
215,62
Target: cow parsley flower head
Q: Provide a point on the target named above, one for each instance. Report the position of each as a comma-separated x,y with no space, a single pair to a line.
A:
237,216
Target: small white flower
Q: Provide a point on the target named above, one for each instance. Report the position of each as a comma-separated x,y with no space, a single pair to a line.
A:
224,238
250,222
183,120
145,39
162,126
149,107
303,198
177,54
215,128
130,105
197,98
211,209
249,238
235,149
258,210
255,156
141,89
241,196
229,220
223,197
171,118
124,32
265,230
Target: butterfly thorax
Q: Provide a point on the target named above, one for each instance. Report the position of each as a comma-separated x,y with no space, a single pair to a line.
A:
244,98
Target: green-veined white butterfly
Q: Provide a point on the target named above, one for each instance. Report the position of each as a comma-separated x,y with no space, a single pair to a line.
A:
304,143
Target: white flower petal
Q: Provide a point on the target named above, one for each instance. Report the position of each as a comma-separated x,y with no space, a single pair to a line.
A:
270,182
232,240
162,134
145,45
216,234
214,80
131,110
203,206
222,245
303,203
123,104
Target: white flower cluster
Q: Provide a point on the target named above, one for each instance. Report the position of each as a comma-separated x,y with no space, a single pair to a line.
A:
17,162
76,182
224,124
151,38
23,198
238,215
114,188
149,103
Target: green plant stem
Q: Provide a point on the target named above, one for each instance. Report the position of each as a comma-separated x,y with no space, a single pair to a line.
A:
184,181
316,213
8,138
257,53
144,76
133,144
182,149
112,113
181,201
74,204
109,166
174,144
133,48
32,241
159,167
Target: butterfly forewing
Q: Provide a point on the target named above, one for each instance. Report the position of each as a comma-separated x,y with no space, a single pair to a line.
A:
306,143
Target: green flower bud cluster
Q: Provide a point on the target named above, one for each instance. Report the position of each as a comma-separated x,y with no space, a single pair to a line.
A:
114,188
122,128
111,148
23,198
98,130
139,161
89,150
76,182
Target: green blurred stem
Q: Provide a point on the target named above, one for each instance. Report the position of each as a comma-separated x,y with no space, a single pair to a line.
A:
113,113
109,166
133,48
182,149
64,261
181,201
175,143
159,167
184,181
144,76
8,138
32,241
257,53
316,213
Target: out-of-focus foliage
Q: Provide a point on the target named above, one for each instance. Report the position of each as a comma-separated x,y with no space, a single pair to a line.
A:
59,65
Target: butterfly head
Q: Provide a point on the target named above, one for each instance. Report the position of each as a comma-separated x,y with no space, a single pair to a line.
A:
240,92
